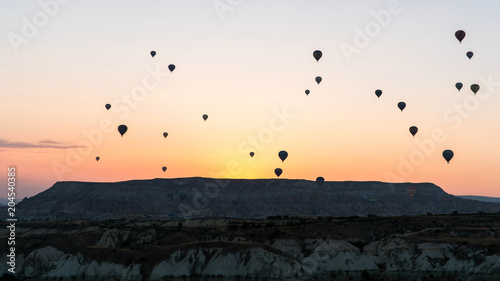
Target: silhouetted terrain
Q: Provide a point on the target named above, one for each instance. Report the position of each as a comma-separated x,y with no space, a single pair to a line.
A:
205,197
480,198
430,248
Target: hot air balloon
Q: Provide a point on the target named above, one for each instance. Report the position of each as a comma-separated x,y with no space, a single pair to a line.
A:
122,129
252,154
278,172
401,105
317,54
235,202
205,117
97,158
459,86
320,180
460,35
448,154
108,106
378,93
182,194
307,92
171,67
470,54
164,168
318,79
474,88
283,155
411,191
153,54
413,130
165,134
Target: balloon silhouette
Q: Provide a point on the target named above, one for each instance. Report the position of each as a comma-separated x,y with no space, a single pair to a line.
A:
378,93
413,130
317,54
252,154
283,155
182,194
97,158
459,86
122,129
235,202
401,105
307,92
153,54
469,54
448,154
460,35
205,117
164,168
474,88
318,79
320,180
278,172
411,191
171,67
108,106
165,134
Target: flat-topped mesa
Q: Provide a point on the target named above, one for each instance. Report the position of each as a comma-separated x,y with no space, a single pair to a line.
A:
249,198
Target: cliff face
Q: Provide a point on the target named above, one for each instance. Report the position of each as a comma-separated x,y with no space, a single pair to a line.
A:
203,197
383,249
387,259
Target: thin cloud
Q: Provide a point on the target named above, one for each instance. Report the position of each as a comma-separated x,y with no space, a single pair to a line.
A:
41,144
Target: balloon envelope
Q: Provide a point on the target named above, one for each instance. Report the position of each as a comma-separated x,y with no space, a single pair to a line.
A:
182,194
165,134
318,79
413,130
122,129
411,191
164,168
153,54
474,88
283,155
235,202
459,86
205,117
171,67
470,54
317,54
97,158
278,172
448,154
460,35
320,180
252,154
401,105
378,93
307,92
108,106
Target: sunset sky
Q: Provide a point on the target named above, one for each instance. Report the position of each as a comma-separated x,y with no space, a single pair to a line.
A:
247,64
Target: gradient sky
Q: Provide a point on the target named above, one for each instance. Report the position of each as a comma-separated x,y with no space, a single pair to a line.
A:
246,64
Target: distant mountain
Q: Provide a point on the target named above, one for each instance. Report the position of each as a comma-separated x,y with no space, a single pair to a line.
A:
4,201
480,198
259,198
